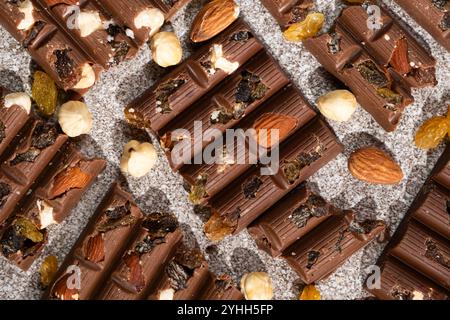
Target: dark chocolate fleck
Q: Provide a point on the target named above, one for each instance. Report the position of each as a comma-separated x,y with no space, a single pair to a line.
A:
241,36
312,256
434,253
163,93
121,49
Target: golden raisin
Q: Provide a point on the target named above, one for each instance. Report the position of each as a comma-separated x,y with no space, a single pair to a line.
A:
48,270
28,229
217,228
310,292
45,93
305,29
431,133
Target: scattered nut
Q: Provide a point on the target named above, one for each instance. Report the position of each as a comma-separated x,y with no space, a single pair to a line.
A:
219,62
257,286
138,158
214,17
166,49
374,166
20,99
151,18
26,7
166,294
87,78
88,22
75,119
338,105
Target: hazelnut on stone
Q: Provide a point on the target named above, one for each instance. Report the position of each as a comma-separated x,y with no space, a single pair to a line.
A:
337,105
74,118
166,49
138,158
257,286
20,99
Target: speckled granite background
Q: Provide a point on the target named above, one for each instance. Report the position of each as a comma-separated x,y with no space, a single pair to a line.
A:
162,189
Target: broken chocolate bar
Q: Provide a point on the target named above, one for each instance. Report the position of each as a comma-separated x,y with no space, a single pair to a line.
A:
416,262
288,12
432,15
124,254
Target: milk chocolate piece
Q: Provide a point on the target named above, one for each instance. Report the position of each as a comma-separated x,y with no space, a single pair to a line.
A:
328,246
251,194
287,12
220,288
374,88
424,251
134,276
399,282
226,105
418,67
294,113
99,247
432,15
190,81
441,173
289,220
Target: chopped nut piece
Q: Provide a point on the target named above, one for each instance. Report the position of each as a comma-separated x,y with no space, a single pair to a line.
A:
257,286
218,61
70,178
75,119
87,78
45,214
88,22
151,18
26,8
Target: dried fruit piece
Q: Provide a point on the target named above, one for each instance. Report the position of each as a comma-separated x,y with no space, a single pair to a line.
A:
163,93
48,270
178,276
94,249
334,44
310,292
369,70
390,96
71,178
312,256
28,229
5,190
198,191
431,133
272,122
315,206
308,28
375,166
44,93
400,59
251,187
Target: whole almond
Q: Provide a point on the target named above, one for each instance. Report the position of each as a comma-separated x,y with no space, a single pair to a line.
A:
94,249
400,58
272,121
214,17
374,166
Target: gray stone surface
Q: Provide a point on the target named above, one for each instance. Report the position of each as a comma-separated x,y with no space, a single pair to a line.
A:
163,189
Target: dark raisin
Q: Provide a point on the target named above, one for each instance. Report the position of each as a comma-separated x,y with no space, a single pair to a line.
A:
163,93
119,212
334,45
2,131
448,208
113,30
64,65
147,244
170,3
300,216
159,225
340,239
250,88
445,22
12,242
241,36
120,51
314,206
178,276
312,257
33,33
44,136
223,283
251,187
5,190
401,294
363,227
28,156
369,70
440,4
189,258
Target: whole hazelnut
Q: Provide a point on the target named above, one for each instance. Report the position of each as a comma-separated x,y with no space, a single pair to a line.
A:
20,99
75,119
338,105
138,158
166,49
257,286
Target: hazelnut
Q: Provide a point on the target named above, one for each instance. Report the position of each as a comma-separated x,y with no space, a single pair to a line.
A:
166,294
166,49
337,105
26,8
220,62
151,18
88,22
75,119
257,286
87,78
138,158
20,99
